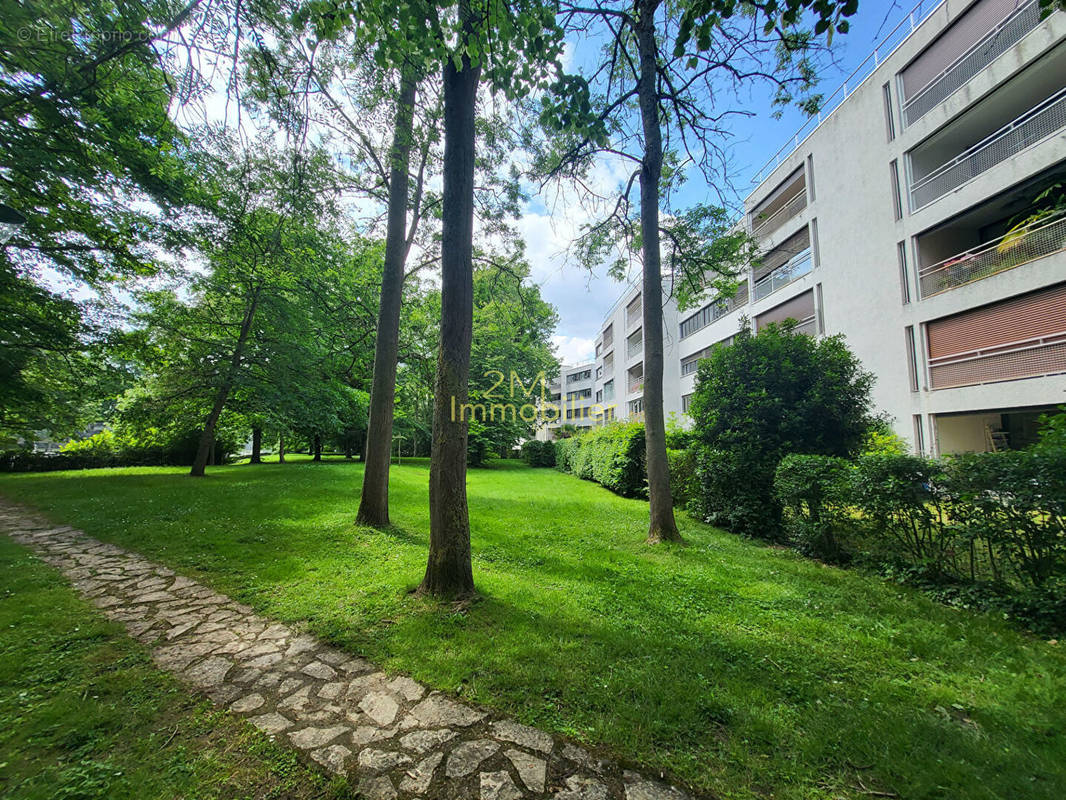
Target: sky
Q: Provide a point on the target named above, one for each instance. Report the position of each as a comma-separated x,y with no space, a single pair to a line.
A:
550,220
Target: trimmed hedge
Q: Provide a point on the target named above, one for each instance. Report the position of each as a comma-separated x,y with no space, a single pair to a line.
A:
538,454
611,455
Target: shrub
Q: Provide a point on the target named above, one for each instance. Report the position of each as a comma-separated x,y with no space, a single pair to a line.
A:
100,445
682,476
565,452
1013,504
765,397
901,500
613,456
814,492
725,494
538,454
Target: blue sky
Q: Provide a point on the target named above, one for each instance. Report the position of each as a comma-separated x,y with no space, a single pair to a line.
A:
583,300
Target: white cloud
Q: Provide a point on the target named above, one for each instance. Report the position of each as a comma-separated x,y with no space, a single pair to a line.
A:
573,349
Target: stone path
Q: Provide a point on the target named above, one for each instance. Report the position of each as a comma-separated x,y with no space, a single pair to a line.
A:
390,735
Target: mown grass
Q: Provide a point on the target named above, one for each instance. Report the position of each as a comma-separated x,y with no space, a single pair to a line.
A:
744,670
85,714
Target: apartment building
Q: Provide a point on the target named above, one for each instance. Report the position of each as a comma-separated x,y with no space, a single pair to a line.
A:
906,217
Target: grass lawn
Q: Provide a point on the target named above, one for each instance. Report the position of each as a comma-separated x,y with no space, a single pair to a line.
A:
84,713
743,670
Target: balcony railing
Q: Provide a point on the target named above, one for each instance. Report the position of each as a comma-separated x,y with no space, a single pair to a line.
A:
1041,239
763,227
967,66
1031,127
1025,359
782,276
635,384
634,315
634,346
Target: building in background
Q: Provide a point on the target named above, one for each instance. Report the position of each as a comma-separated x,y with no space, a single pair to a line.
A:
906,217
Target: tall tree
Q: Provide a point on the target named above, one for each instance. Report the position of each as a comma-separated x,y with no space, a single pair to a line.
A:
374,500
667,66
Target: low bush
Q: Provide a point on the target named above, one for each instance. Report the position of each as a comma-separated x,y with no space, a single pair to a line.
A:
981,530
814,494
538,454
729,490
613,456
565,453
682,476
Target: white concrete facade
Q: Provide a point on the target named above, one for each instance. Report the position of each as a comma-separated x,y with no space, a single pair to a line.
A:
884,225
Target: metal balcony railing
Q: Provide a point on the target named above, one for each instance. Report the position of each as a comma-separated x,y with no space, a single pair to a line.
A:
635,384
763,227
796,267
884,49
1030,358
1036,124
995,43
1040,239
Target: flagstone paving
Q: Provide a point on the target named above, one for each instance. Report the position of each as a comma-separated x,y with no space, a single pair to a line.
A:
390,735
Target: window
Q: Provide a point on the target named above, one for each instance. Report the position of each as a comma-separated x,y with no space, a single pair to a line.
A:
584,375
599,348
634,312
579,394
636,406
890,124
810,178
912,357
919,435
686,401
690,363
904,281
714,310
608,336
634,343
897,197
599,372
608,391
599,396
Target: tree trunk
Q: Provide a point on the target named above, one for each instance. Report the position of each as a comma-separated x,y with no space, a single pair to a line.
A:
207,438
374,501
449,572
257,446
281,448
662,525
316,447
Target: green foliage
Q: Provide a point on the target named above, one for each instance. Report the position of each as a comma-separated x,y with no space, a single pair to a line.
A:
682,475
724,637
612,456
1053,431
566,451
813,491
99,444
765,397
538,454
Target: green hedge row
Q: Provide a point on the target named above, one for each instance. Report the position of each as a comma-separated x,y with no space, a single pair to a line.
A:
611,455
538,454
996,520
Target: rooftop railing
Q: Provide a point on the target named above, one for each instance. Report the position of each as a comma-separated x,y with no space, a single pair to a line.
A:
1011,250
762,228
962,70
893,39
782,276
1034,125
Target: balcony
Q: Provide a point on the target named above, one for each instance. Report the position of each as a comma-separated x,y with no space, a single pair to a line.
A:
714,310
1038,240
634,344
780,277
635,379
634,313
1027,358
1038,123
1001,38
